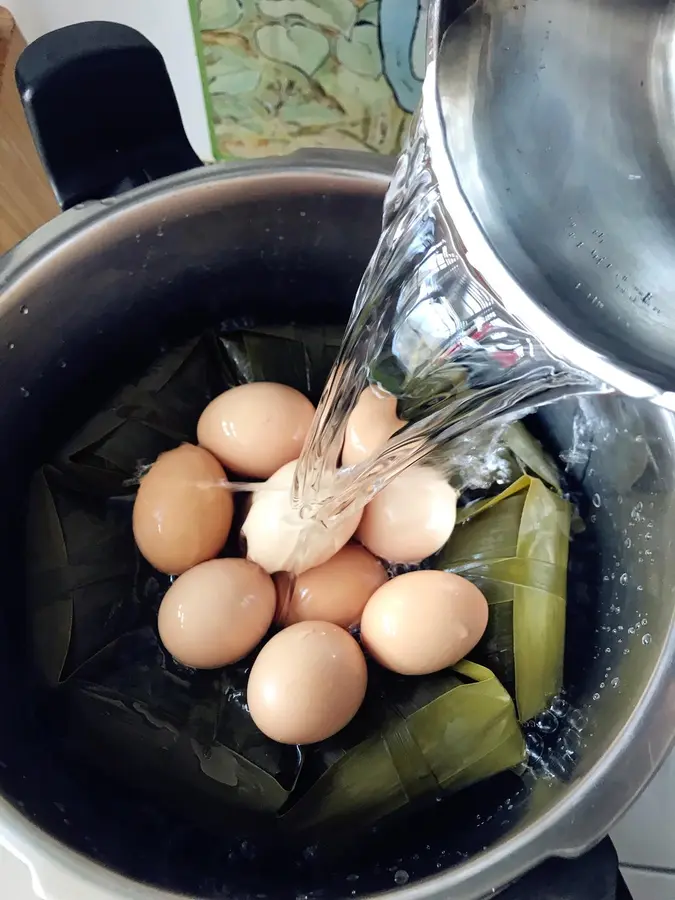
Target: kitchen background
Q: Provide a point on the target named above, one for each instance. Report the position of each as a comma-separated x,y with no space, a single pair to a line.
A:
262,77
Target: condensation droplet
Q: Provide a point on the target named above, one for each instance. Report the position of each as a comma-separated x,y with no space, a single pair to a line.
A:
24,392
11,345
401,876
24,310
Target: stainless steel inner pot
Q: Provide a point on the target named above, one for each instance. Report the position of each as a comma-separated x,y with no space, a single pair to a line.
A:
93,296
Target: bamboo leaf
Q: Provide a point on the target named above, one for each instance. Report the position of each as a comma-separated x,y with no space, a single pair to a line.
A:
132,701
530,455
148,417
81,578
413,738
514,547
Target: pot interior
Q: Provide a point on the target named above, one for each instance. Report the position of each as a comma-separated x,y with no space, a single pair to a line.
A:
88,317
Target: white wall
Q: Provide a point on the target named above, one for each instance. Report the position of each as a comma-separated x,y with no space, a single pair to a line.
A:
164,22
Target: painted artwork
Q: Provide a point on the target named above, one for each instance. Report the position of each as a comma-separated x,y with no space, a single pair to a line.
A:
280,75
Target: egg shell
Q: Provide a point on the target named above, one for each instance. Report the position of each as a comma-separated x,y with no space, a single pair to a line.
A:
279,540
423,621
216,613
307,683
370,425
411,518
182,512
336,591
256,428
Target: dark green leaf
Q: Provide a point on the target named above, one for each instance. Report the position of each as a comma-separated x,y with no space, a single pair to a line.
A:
81,577
169,725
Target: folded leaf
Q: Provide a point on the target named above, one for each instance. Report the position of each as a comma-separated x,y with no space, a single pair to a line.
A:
81,579
530,455
132,709
414,737
300,356
152,415
514,547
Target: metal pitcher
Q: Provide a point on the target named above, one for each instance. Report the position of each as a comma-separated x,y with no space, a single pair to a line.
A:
551,136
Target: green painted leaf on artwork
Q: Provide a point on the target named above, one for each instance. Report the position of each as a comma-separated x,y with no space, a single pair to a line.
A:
219,14
297,45
242,82
361,52
337,15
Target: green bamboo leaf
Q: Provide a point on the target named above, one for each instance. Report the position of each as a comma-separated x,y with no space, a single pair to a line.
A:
148,417
531,456
412,738
300,356
514,547
132,711
81,586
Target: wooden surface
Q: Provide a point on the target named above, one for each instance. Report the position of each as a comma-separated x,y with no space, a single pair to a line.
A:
26,200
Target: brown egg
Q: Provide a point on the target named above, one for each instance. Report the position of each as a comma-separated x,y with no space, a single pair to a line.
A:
279,540
307,683
370,425
256,428
217,612
334,592
423,622
411,518
182,513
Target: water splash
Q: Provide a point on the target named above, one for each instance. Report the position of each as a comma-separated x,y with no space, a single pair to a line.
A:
426,328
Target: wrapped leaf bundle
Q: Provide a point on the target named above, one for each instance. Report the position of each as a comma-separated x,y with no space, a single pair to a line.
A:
414,737
183,735
514,547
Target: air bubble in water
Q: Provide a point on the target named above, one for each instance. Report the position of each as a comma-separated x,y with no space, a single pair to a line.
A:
534,746
24,310
646,639
401,877
570,742
576,719
596,696
624,578
11,345
615,682
597,502
546,722
559,707
24,392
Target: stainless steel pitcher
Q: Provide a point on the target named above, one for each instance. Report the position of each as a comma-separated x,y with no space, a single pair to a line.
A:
551,126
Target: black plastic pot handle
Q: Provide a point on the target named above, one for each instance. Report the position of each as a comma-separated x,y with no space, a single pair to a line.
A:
102,111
